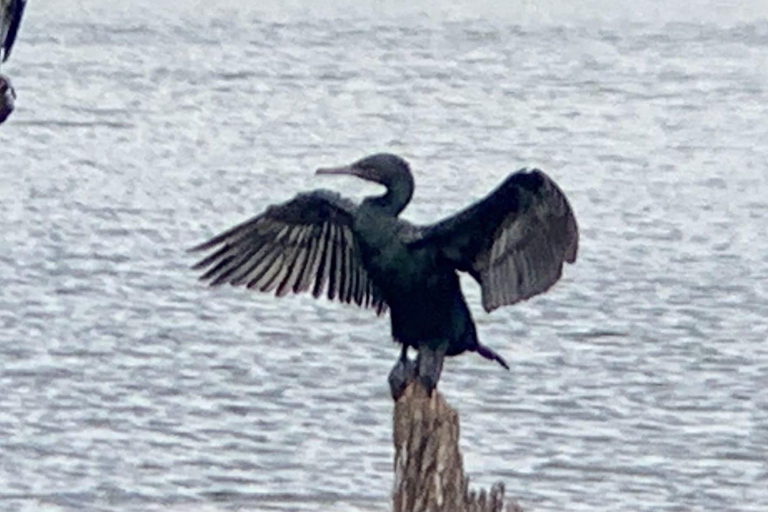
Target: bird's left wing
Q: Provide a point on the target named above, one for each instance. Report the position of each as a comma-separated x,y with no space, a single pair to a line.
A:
302,244
514,242
11,12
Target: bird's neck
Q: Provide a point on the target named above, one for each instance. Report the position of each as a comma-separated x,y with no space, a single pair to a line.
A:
396,198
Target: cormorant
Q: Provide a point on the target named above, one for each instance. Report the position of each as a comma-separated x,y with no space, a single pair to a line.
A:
514,242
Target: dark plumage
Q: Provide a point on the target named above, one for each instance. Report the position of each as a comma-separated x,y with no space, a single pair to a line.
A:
11,12
514,242
7,98
10,19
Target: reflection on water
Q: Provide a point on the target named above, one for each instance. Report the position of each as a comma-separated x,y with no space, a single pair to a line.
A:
638,383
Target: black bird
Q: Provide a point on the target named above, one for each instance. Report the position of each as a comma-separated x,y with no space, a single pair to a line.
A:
514,242
10,19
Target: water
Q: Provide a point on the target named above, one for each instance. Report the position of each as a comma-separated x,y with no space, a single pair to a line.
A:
638,383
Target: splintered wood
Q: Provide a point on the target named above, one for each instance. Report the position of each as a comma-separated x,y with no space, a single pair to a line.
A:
429,474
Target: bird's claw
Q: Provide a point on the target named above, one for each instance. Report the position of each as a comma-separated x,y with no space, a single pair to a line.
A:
430,366
403,373
428,382
425,370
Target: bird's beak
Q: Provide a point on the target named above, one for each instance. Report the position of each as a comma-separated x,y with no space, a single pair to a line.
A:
345,169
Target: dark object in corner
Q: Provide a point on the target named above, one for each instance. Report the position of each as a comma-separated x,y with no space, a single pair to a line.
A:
7,98
11,12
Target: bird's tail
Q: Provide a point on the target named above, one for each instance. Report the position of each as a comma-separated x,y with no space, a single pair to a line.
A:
490,354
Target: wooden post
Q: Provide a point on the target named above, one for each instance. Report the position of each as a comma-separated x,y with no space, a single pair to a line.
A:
429,474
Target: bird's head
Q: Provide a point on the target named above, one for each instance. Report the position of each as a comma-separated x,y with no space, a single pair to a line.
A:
384,168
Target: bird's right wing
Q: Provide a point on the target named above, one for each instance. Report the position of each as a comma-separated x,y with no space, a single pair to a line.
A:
10,19
305,243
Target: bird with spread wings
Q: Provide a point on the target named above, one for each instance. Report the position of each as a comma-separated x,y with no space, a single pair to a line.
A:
514,243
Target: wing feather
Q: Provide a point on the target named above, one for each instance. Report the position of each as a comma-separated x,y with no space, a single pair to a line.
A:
264,269
247,271
302,244
357,287
292,255
228,266
349,270
309,272
295,262
333,264
324,266
514,242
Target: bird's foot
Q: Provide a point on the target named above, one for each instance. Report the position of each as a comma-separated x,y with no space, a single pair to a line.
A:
428,382
430,366
401,375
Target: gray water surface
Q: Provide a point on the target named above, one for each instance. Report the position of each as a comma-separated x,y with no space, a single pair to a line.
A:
638,383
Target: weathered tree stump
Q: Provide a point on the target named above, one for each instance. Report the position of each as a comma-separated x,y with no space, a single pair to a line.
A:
429,473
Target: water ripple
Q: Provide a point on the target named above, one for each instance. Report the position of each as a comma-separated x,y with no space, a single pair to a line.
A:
638,383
